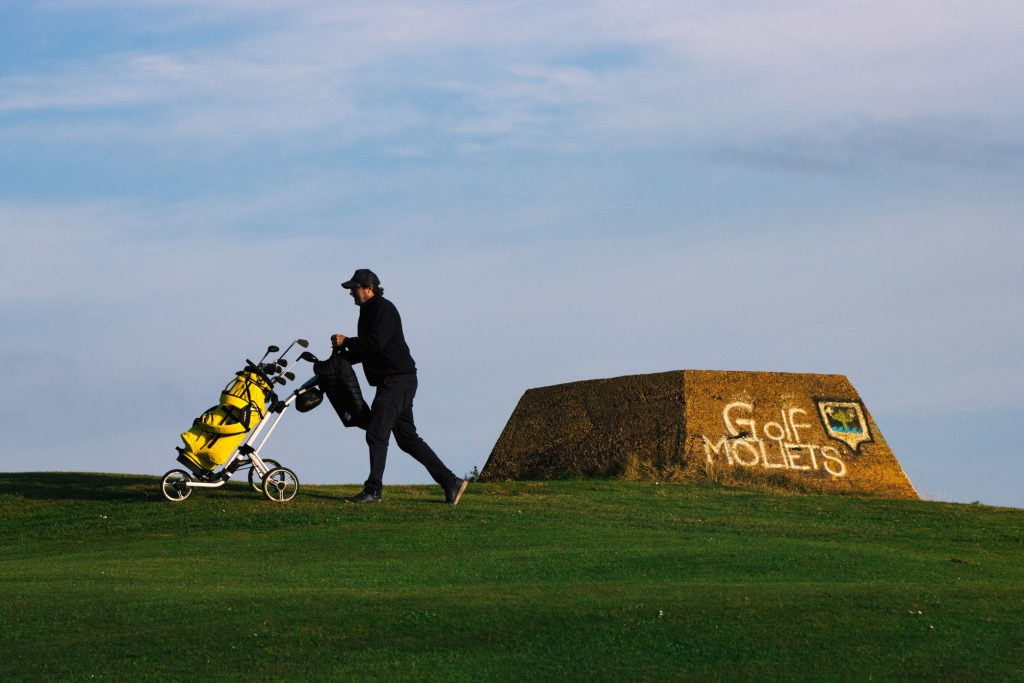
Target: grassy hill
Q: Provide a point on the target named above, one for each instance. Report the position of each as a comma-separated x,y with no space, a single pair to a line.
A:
100,579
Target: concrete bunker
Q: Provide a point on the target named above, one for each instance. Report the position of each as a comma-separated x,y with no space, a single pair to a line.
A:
808,430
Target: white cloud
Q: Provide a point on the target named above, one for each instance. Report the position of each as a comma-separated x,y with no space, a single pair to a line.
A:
740,70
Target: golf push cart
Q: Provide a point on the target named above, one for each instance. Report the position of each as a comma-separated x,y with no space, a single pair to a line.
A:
228,437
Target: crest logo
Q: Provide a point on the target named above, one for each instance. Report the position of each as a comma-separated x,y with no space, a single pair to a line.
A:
844,421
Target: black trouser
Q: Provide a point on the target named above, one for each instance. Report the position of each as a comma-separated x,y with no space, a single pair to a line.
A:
391,413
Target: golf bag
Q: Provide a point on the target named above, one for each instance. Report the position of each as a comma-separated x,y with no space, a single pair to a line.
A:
338,381
217,433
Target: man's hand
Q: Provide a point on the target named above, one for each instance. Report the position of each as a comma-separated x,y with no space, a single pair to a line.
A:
338,339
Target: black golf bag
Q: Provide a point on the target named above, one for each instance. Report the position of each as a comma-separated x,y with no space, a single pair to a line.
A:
338,381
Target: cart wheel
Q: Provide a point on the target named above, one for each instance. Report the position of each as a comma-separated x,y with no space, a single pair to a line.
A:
175,486
255,480
280,484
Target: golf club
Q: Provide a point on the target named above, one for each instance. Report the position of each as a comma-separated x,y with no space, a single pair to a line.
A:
301,342
270,349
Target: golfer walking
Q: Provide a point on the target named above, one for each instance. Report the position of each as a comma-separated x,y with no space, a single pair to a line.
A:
380,346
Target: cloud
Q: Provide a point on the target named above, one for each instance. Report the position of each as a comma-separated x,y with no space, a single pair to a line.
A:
857,147
738,72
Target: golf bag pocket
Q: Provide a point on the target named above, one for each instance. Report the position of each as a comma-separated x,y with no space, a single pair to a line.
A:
309,399
216,434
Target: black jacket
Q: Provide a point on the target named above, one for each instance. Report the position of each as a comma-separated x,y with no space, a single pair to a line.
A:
380,346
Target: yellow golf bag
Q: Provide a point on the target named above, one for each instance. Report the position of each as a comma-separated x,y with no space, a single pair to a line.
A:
217,433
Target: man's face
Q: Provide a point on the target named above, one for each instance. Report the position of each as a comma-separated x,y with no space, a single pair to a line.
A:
360,294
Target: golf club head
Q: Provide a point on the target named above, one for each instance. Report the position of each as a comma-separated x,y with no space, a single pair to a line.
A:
308,356
290,376
270,349
280,380
301,342
282,362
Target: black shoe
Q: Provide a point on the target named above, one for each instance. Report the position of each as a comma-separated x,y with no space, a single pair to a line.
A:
453,493
365,496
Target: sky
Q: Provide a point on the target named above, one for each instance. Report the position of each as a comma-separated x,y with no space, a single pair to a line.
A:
549,192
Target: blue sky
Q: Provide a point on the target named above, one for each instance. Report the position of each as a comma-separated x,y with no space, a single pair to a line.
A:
549,193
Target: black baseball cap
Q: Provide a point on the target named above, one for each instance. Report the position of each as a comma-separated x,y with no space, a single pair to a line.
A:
364,277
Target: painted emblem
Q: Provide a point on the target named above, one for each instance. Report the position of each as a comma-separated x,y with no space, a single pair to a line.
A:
844,420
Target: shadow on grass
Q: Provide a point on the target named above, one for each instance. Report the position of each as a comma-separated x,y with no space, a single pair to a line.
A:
80,486
340,497
133,487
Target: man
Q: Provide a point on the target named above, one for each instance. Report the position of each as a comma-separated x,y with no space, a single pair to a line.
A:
380,346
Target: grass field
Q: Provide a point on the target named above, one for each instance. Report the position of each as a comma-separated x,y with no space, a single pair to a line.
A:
100,579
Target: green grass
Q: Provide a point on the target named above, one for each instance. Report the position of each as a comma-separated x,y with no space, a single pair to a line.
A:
100,579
